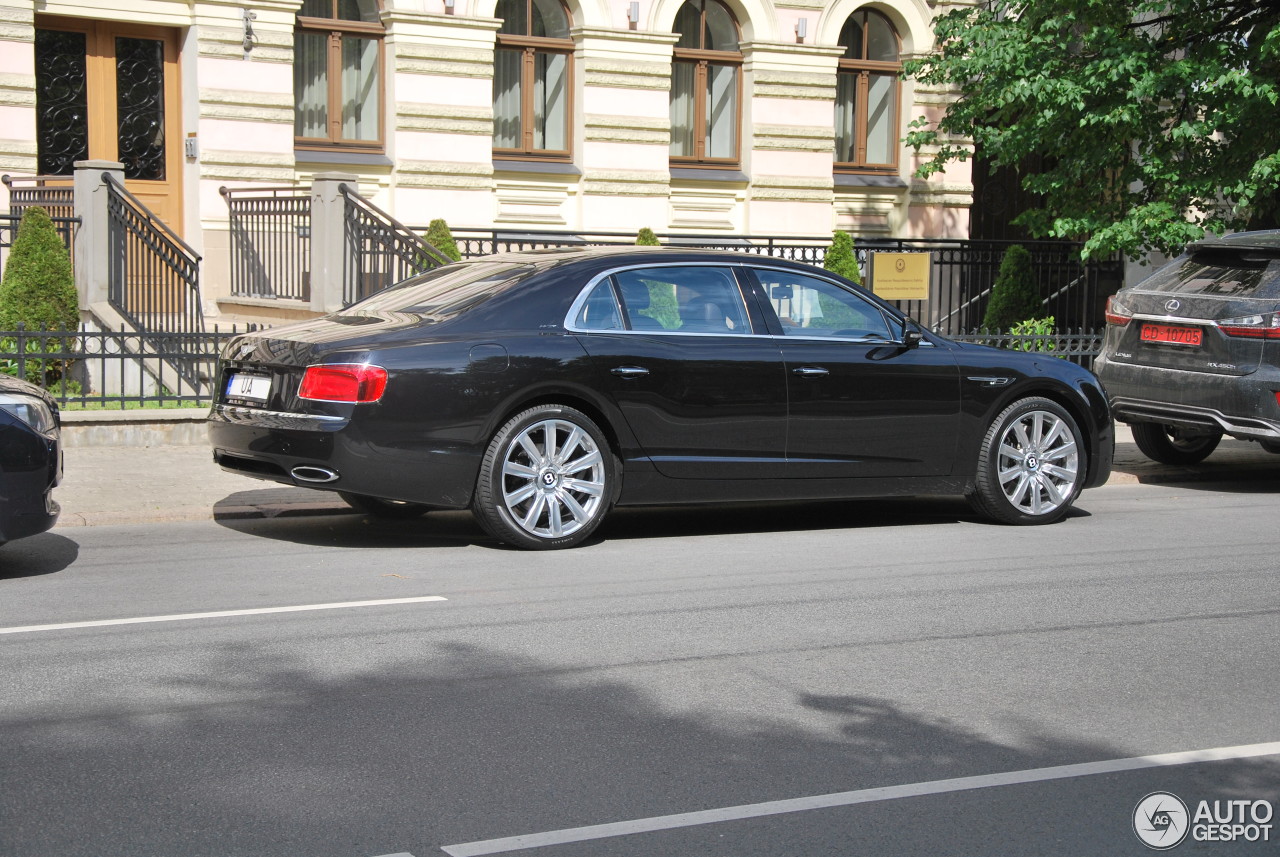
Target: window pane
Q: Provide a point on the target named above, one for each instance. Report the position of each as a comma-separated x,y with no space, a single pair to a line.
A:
722,35
316,8
882,134
358,10
846,116
550,20
310,87
140,107
601,311
62,107
851,38
514,15
550,100
882,44
506,99
360,98
688,19
722,111
807,306
682,107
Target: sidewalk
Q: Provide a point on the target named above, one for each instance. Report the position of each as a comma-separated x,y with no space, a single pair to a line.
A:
179,482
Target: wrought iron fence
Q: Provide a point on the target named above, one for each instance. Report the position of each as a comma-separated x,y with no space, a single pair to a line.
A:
114,369
963,271
379,250
54,194
65,226
153,278
482,242
270,242
1079,346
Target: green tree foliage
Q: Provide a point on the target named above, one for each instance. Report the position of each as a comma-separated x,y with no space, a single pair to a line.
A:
646,238
1156,119
439,237
1037,331
840,258
1014,297
38,289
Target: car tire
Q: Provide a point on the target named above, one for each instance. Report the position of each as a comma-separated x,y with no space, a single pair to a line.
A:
1031,465
1172,445
547,479
380,508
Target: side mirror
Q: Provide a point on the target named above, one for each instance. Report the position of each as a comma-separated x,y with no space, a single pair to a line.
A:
911,336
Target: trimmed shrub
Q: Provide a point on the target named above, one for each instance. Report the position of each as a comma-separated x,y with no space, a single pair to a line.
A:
840,258
1035,328
646,238
439,237
38,289
1014,297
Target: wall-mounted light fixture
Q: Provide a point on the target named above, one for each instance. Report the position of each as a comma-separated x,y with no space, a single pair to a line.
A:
448,7
802,29
249,38
633,14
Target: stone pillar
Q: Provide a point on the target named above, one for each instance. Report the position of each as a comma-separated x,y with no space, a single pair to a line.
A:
91,247
328,239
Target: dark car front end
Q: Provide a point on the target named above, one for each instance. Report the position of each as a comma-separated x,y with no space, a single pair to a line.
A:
30,459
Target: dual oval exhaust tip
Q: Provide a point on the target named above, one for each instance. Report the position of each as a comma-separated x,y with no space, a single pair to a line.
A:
313,474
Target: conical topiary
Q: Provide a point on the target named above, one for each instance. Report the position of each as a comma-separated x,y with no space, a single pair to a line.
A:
646,238
439,237
38,289
1014,297
840,258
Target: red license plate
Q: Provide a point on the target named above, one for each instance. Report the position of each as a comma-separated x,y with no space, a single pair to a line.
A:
1172,334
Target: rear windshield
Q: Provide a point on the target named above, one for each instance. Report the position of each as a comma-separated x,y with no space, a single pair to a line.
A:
1219,273
444,292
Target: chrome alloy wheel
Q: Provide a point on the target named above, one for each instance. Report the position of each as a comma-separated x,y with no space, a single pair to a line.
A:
1038,463
553,479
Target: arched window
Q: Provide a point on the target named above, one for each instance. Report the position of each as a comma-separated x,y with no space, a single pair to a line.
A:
337,74
531,79
706,85
867,94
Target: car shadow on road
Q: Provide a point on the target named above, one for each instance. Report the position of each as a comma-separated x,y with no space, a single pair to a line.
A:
47,553
338,527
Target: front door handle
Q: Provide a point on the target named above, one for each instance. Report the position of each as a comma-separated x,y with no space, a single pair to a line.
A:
810,371
630,371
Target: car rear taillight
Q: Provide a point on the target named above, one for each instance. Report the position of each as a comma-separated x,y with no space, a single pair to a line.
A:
1117,313
1264,326
343,382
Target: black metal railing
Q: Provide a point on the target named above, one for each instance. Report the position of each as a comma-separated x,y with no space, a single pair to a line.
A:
963,272
482,242
379,250
153,276
270,242
55,194
115,369
1079,346
65,227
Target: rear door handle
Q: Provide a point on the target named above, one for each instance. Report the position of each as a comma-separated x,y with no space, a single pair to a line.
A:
630,371
810,371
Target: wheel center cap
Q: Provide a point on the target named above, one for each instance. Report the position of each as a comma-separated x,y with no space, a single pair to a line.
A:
1032,462
548,478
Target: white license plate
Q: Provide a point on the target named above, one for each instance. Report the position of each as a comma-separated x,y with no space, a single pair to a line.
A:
251,387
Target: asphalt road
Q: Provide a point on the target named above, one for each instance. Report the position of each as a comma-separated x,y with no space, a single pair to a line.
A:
749,660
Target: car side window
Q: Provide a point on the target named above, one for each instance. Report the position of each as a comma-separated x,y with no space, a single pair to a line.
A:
687,299
601,310
808,306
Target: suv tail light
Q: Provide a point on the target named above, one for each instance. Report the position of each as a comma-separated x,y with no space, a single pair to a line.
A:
343,382
1266,326
1117,313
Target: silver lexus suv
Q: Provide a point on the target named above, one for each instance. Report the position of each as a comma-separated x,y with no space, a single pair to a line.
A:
1193,352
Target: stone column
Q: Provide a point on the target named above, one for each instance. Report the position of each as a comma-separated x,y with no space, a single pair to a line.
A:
328,239
91,247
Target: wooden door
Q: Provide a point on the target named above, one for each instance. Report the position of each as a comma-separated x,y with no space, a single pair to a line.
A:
108,90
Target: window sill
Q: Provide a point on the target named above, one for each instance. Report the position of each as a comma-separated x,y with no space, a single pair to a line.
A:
868,180
553,168
698,174
339,157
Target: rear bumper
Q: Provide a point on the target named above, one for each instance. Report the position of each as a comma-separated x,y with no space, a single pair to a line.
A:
1242,406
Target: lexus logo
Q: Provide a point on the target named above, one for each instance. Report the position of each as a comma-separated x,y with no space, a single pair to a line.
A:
1173,305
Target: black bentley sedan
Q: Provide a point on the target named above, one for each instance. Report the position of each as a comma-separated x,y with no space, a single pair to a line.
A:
30,459
541,389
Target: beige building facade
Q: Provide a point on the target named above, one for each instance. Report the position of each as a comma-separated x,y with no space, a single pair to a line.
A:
708,117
